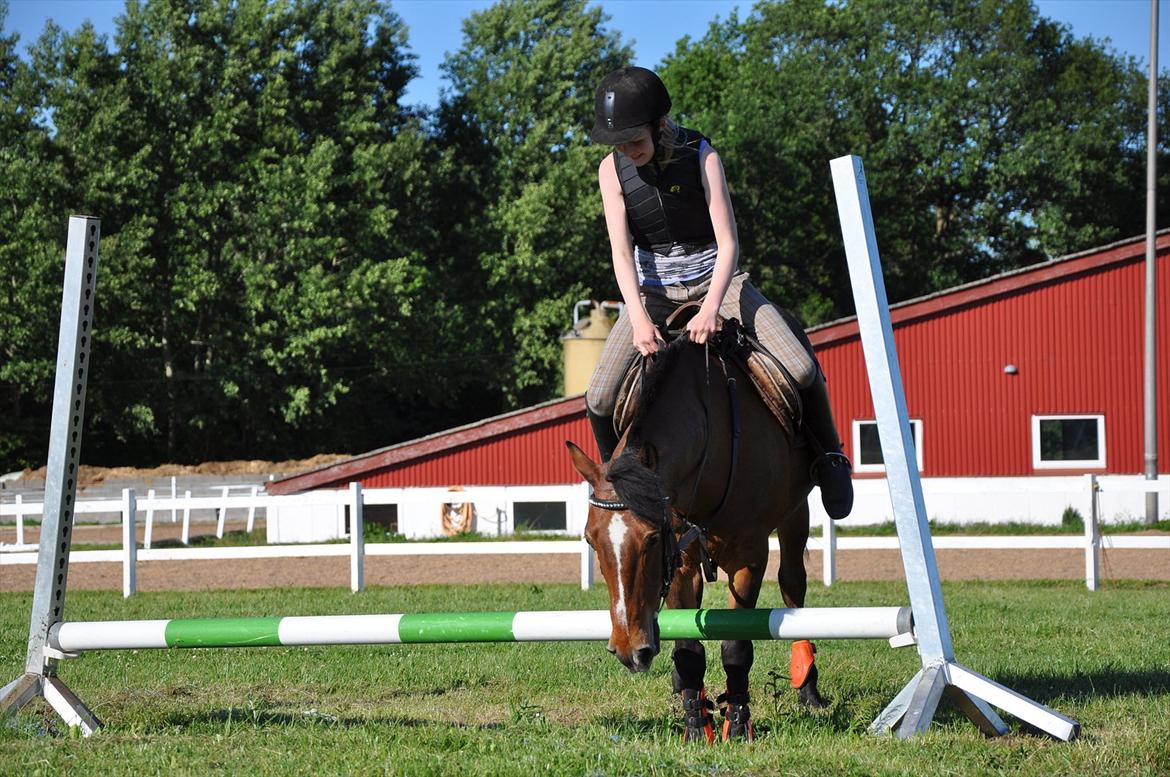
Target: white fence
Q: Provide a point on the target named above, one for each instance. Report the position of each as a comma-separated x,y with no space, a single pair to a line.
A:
351,503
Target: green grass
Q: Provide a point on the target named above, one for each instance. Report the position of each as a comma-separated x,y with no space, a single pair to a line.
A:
1102,658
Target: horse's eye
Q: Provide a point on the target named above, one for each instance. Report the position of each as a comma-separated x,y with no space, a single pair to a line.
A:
653,540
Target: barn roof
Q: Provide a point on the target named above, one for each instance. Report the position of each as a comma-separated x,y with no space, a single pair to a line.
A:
476,432
953,299
997,286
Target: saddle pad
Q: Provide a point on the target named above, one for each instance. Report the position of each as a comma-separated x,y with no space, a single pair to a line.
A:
771,383
774,387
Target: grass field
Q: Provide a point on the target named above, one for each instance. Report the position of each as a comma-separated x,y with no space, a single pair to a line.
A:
1102,658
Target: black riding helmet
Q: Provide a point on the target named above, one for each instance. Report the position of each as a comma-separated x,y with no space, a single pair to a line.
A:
627,100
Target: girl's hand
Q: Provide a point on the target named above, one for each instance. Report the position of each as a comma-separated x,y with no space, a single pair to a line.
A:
646,337
702,325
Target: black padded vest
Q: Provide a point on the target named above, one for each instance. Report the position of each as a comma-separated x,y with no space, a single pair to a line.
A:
666,204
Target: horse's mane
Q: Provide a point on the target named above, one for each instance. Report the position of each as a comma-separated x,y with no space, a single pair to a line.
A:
637,485
654,378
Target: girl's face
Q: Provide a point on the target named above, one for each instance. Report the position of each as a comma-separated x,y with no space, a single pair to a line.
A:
640,150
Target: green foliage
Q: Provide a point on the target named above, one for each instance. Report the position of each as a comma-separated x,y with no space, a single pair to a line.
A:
524,80
991,137
1072,520
292,261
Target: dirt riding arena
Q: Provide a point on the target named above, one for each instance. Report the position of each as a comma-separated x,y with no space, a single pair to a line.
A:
406,570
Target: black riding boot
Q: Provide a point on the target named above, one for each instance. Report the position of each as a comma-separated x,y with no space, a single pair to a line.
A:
831,470
603,433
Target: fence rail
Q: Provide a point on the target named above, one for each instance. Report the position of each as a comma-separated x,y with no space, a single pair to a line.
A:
353,499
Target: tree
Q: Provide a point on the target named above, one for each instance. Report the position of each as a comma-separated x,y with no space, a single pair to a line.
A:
991,137
522,104
263,269
30,263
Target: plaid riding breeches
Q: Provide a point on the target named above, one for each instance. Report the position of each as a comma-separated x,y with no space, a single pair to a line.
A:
777,332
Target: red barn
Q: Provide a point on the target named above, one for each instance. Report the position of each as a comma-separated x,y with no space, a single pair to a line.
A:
1033,372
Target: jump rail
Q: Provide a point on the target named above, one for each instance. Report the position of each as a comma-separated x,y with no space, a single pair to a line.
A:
893,623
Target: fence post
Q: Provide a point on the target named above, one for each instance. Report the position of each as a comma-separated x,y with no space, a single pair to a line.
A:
829,550
1092,537
129,544
174,493
586,565
222,515
252,509
149,519
186,538
357,540
19,519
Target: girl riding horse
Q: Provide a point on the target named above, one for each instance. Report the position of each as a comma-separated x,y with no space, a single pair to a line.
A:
673,238
674,241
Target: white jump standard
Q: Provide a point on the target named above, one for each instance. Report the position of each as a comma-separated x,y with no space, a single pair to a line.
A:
77,301
913,708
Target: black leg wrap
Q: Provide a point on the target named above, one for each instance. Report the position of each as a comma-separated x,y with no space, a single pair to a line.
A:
690,663
698,725
738,656
737,716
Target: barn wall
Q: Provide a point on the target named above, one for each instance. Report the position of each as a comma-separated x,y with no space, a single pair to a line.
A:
533,456
1077,343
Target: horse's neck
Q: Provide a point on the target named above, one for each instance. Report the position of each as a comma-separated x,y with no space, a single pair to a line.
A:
678,430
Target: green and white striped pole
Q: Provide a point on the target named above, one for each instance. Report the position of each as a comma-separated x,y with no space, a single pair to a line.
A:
546,626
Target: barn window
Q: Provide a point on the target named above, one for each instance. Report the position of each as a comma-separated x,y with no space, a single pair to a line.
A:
540,516
867,446
1064,441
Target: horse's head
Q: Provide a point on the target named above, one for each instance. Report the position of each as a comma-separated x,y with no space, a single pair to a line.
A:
629,538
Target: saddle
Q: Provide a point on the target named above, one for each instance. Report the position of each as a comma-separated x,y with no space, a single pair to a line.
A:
734,342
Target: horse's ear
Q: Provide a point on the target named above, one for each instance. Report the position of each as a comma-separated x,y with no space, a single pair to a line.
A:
589,469
649,456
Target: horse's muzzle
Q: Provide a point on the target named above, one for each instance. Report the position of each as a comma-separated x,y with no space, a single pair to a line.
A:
640,659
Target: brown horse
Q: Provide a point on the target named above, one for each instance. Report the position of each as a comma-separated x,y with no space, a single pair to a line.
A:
678,467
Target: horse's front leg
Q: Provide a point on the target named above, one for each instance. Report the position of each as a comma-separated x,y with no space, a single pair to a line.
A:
739,654
690,659
793,585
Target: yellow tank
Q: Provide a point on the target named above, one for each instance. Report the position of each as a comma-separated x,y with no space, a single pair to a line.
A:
583,344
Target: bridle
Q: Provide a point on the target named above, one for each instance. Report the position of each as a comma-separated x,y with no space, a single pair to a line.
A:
673,546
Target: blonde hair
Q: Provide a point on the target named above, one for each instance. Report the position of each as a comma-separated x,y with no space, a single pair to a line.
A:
669,140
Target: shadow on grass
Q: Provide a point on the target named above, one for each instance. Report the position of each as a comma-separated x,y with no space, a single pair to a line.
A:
245,717
1115,682
640,726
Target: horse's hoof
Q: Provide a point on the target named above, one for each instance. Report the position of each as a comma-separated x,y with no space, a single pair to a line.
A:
737,718
808,693
811,698
698,726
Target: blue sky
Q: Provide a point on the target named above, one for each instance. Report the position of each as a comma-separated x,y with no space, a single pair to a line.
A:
653,26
